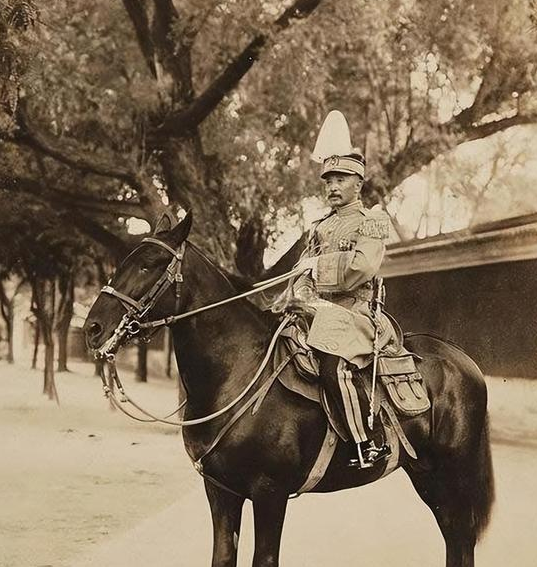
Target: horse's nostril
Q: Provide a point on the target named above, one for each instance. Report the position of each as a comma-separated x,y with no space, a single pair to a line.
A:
94,329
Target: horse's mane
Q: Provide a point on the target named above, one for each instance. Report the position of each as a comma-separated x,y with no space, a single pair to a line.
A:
237,283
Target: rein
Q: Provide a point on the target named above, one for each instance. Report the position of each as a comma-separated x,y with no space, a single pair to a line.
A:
259,287
113,377
130,325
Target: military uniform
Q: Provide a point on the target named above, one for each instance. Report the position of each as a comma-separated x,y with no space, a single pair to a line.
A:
349,246
338,267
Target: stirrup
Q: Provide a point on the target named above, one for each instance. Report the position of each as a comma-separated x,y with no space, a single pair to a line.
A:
369,454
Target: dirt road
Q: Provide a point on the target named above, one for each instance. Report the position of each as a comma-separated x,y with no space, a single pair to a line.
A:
378,525
81,486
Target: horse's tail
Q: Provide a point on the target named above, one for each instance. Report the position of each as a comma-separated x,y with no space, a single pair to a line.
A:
482,494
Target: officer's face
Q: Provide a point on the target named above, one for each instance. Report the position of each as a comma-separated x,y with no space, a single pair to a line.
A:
341,188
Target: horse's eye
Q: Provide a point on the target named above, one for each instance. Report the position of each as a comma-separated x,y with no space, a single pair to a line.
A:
144,269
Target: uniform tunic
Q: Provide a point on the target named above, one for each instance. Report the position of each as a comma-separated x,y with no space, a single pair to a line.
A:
349,244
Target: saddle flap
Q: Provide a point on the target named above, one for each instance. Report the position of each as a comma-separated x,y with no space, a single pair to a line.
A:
404,384
305,362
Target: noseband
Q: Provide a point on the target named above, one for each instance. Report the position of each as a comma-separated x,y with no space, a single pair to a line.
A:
130,325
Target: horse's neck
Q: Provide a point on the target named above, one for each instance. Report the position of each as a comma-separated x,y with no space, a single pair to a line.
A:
217,350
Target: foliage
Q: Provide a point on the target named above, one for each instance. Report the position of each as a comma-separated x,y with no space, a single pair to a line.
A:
476,184
35,240
215,105
17,18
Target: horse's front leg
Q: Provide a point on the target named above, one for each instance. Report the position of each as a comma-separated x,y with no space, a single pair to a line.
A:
269,513
226,512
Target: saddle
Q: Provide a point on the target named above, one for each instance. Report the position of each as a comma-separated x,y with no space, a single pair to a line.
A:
399,393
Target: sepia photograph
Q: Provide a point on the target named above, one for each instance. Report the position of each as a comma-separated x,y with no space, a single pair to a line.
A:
268,283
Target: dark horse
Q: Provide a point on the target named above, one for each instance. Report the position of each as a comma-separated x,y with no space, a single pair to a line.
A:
266,457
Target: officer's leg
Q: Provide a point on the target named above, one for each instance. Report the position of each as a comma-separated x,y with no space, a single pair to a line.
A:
337,379
336,376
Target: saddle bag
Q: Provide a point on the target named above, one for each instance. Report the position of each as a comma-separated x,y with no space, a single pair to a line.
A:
403,384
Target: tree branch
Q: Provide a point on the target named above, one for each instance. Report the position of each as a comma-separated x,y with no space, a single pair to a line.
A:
69,153
68,199
173,49
488,128
138,16
421,152
180,123
96,231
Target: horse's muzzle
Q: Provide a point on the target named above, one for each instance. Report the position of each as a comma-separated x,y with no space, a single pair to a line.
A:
93,332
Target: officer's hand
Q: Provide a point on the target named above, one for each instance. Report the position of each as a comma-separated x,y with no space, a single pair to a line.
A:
306,294
306,264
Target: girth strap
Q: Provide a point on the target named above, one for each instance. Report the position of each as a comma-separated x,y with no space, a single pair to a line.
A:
398,429
324,457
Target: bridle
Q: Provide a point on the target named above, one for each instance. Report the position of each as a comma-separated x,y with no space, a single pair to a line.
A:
131,324
136,310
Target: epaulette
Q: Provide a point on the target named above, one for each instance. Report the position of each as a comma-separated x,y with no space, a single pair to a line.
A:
375,225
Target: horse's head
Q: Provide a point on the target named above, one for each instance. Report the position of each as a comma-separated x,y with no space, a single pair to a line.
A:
148,281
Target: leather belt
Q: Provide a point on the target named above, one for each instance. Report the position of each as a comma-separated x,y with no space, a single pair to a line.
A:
361,294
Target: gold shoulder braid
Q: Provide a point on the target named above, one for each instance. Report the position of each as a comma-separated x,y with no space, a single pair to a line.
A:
375,227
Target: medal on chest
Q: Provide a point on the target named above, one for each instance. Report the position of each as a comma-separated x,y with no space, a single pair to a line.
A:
347,243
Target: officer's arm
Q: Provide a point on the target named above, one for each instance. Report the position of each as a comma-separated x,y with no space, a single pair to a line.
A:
345,271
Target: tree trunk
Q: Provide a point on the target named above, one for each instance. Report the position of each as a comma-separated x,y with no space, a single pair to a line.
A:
191,180
44,295
37,339
49,385
98,367
251,244
65,314
7,308
10,324
63,337
8,314
141,368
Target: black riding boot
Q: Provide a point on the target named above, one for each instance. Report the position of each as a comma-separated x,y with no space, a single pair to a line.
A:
367,452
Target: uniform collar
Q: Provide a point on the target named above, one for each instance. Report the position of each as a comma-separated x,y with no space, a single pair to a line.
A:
350,209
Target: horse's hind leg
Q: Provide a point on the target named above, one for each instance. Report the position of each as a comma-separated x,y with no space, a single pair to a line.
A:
441,491
226,511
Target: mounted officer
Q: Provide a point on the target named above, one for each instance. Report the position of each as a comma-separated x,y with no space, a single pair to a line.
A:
338,269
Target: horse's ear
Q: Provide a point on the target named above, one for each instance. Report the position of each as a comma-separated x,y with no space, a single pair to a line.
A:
165,223
179,233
